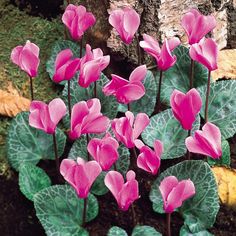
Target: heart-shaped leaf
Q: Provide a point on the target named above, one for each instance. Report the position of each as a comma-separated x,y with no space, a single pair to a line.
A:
200,211
166,128
184,231
79,149
222,106
60,211
116,231
109,104
145,231
147,103
225,159
27,144
177,77
58,47
32,179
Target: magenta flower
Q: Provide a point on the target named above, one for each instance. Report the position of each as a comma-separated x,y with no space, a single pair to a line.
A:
86,117
163,56
124,193
148,159
77,20
205,52
104,151
46,117
185,107
127,130
65,66
27,58
127,91
174,192
206,142
91,66
80,175
126,22
197,25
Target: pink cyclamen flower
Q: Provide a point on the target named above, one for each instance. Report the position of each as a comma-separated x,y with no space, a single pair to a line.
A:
174,192
163,55
65,66
206,142
127,91
205,52
86,117
46,117
104,151
185,107
126,22
77,20
80,175
148,159
27,58
124,193
91,66
127,130
197,25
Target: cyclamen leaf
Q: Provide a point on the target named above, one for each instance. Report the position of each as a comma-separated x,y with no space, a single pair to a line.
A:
147,103
200,211
79,149
184,231
145,231
32,179
225,159
222,106
109,104
58,47
116,231
26,144
177,77
166,128
60,211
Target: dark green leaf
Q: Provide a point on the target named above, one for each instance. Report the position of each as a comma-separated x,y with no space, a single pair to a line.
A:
147,103
145,231
184,231
222,106
27,144
60,211
200,211
32,179
166,128
116,231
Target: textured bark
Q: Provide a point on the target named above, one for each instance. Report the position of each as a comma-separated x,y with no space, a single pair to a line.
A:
161,19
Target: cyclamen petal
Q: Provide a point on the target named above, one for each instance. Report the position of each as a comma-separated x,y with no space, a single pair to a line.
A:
174,192
27,58
206,142
186,107
46,117
127,91
126,22
163,56
86,117
80,175
124,193
77,20
197,25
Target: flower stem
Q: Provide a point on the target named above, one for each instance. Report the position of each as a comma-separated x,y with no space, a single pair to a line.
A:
188,152
115,169
95,89
128,107
69,98
81,46
191,74
84,212
168,219
133,215
207,96
31,88
159,92
87,138
138,50
56,155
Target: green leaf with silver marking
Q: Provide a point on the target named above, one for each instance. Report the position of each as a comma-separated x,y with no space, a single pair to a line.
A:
145,230
116,231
